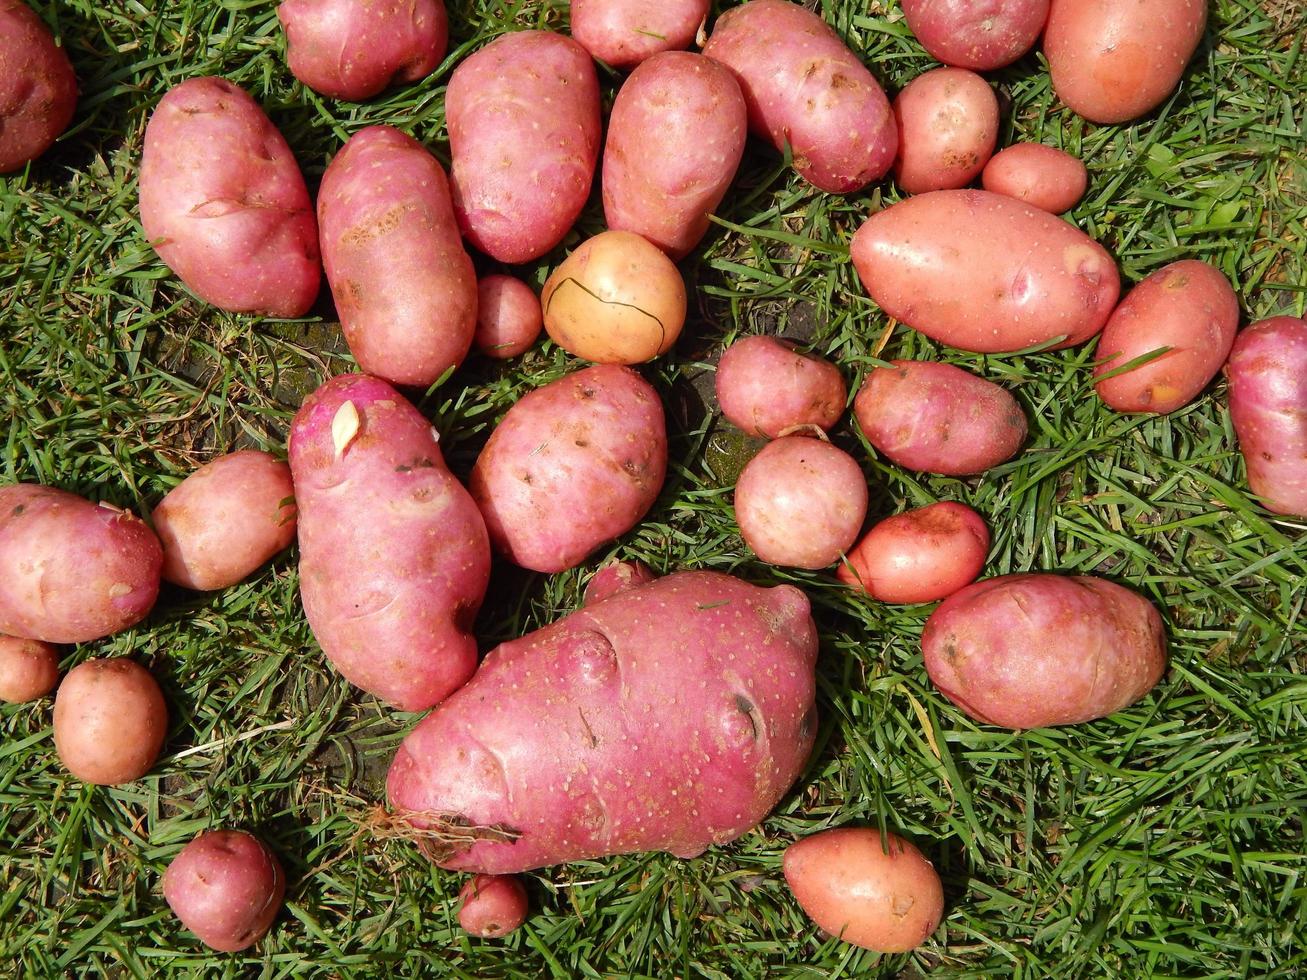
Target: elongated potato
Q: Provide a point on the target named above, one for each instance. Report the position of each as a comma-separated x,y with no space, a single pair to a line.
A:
1042,176
404,285
919,556
984,272
948,127
38,90
765,386
624,33
978,34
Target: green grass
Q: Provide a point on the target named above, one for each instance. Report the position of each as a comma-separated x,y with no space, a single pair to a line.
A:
1164,841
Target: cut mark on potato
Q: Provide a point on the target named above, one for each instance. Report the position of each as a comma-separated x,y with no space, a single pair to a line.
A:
345,426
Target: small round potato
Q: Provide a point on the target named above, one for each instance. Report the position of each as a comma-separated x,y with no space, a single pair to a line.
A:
1042,176
109,721
920,556
765,386
493,905
226,887
508,317
38,90
978,34
29,669
948,127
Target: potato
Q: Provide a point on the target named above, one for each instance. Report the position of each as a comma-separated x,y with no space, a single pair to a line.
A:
876,892
353,49
1268,406
524,132
225,520
74,571
109,721
800,502
1029,651
1115,60
508,317
1187,306
806,90
669,716
1042,176
224,204
29,669
984,272
617,299
571,466
664,189
226,887
492,905
978,34
394,558
38,90
615,576
765,386
937,418
919,556
948,127
623,33
404,285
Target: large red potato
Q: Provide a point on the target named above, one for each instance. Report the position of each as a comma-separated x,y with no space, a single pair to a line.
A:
948,127
806,89
29,669
404,286
1187,306
74,571
765,386
1114,60
920,556
571,466
394,558
224,204
524,132
978,34
109,721
492,905
353,49
623,33
1028,651
984,272
1268,406
669,716
226,887
1042,176
38,90
508,317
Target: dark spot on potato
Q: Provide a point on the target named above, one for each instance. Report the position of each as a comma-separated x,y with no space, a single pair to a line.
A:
1267,456
746,708
19,509
808,722
527,479
951,652
587,392
582,443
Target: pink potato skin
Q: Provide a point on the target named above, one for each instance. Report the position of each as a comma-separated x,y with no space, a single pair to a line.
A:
978,34
394,558
1268,406
1030,651
225,520
404,285
938,418
524,132
29,669
353,49
1187,306
985,273
572,465
1041,176
624,33
1115,60
38,90
614,577
665,189
509,318
226,887
224,204
669,716
492,905
765,386
948,127
804,87
922,555
75,571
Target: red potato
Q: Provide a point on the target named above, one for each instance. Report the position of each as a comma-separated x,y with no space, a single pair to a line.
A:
1029,651
524,132
614,577
109,721
492,905
224,204
978,34
806,89
948,127
800,502
573,464
624,33
225,520
1115,60
353,49
985,273
876,892
404,286
1268,406
920,556
664,189
765,386
1187,306
394,558
38,90
226,887
29,669
1042,176
937,418
508,317
669,716
75,571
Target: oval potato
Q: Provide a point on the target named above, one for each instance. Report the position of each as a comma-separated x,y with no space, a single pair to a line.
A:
978,34
948,127
1043,176
765,386
624,33
492,906
38,90
509,318
921,555
110,720
29,669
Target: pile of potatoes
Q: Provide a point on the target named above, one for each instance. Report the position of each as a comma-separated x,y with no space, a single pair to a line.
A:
667,713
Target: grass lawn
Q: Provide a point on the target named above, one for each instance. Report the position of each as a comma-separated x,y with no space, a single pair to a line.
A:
1164,841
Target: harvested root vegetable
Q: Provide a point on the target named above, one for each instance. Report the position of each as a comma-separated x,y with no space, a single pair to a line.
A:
493,905
110,720
29,669
765,386
919,556
226,887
